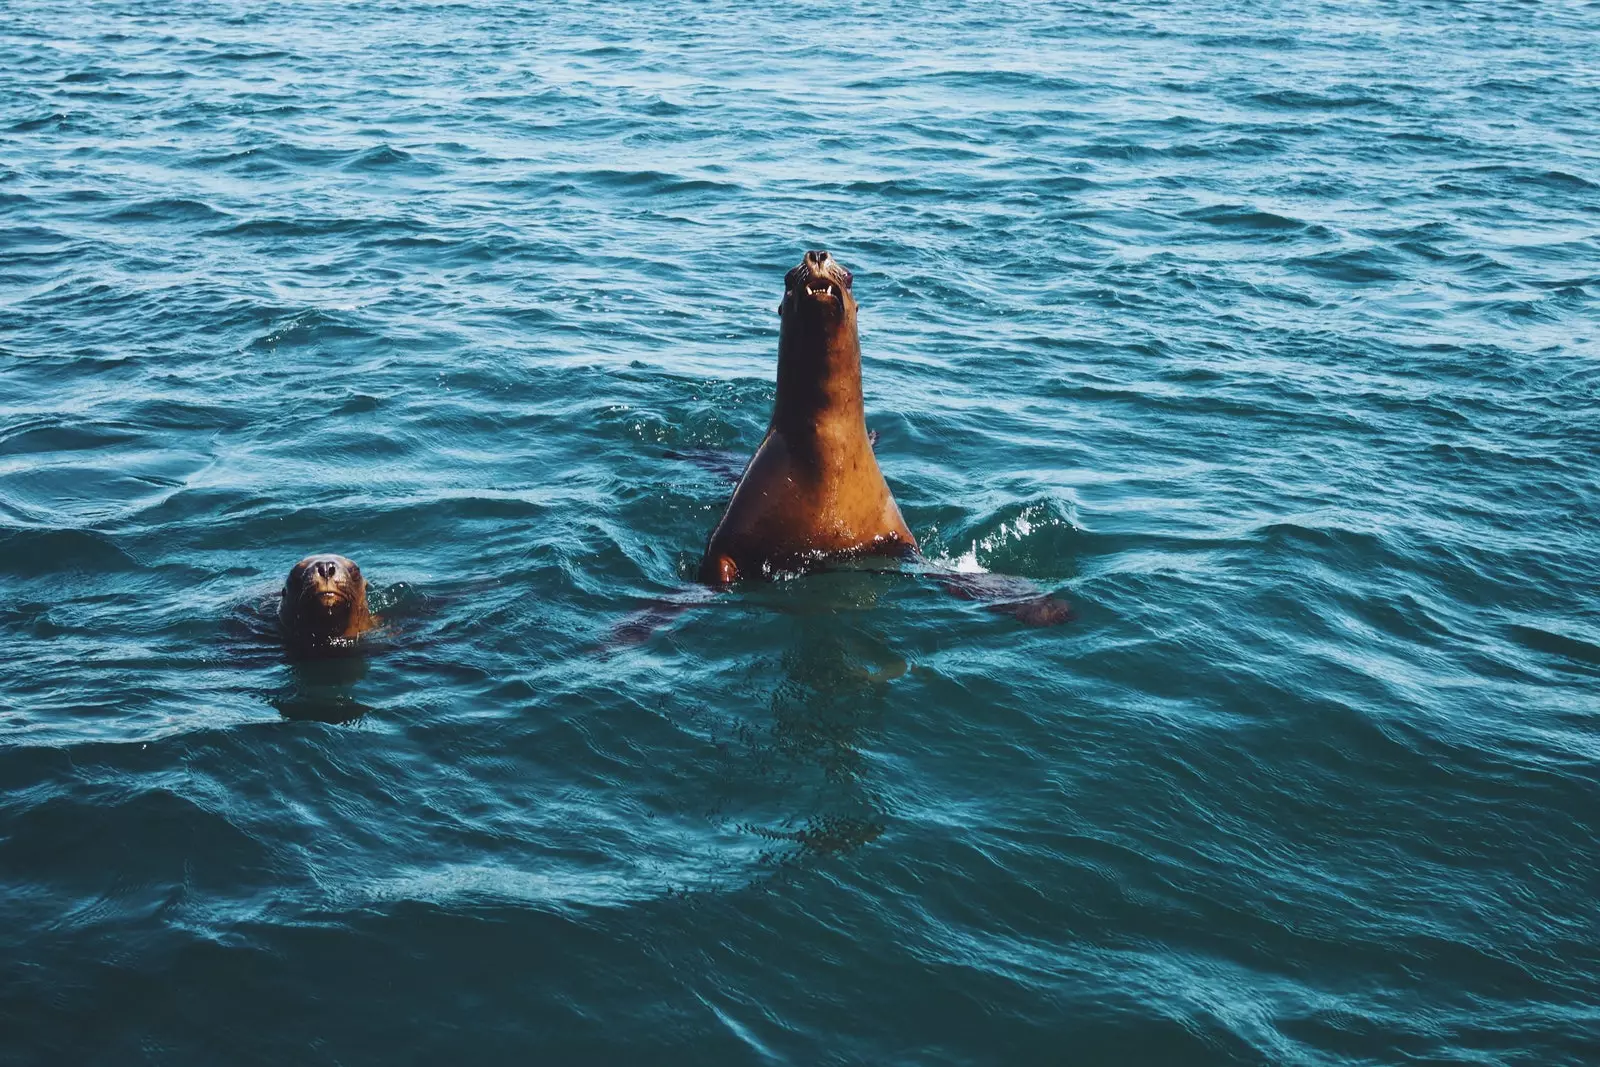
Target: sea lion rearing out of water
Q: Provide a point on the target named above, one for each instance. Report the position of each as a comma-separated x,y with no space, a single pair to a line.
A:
813,488
324,604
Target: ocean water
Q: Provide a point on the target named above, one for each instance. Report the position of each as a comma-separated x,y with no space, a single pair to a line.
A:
1267,334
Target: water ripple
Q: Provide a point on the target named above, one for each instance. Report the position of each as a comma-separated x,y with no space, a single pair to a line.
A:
1265,335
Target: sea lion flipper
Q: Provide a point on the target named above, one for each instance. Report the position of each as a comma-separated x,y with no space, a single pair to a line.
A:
1007,595
637,628
725,464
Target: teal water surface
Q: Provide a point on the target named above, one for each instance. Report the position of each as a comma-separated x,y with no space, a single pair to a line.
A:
1266,333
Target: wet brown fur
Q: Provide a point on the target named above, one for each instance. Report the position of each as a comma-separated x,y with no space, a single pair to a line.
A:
813,488
324,602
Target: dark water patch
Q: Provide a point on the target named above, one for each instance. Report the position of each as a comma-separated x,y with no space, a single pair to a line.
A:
1550,179
1275,42
157,75
59,121
44,435
359,404
1247,219
653,183
167,210
29,553
317,227
1577,654
1355,267
983,80
384,157
73,843
1298,100
237,56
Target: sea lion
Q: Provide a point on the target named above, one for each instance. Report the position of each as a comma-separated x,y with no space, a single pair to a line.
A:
324,604
813,490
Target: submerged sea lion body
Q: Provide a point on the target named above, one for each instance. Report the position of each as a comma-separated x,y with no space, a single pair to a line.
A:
813,490
324,604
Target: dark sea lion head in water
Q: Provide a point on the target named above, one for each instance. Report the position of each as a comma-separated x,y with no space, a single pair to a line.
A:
324,602
813,488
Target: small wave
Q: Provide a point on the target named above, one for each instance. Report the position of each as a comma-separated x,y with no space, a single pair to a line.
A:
1298,100
45,435
62,121
1575,651
29,553
1550,179
1356,267
1037,540
315,227
1238,216
911,189
386,157
308,327
284,155
654,182
249,57
1340,545
167,210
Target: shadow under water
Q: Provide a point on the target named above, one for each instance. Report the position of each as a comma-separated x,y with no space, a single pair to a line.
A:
808,747
319,690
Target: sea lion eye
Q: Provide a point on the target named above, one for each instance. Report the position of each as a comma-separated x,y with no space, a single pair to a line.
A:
848,278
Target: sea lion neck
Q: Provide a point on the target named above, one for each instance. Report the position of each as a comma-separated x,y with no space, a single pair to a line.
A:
819,375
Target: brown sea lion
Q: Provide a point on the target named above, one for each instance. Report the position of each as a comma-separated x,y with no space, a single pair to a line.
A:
324,604
813,490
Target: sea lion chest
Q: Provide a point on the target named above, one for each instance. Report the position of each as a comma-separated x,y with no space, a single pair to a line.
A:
802,499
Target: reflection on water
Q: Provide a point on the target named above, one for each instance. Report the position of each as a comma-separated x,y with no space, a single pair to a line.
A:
822,714
319,690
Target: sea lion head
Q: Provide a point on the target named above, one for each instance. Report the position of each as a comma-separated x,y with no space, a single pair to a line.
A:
816,294
819,351
324,597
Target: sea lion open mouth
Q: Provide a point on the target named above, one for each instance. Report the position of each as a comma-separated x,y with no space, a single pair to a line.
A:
819,277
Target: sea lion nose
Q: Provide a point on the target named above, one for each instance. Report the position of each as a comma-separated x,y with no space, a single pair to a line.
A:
326,568
817,257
